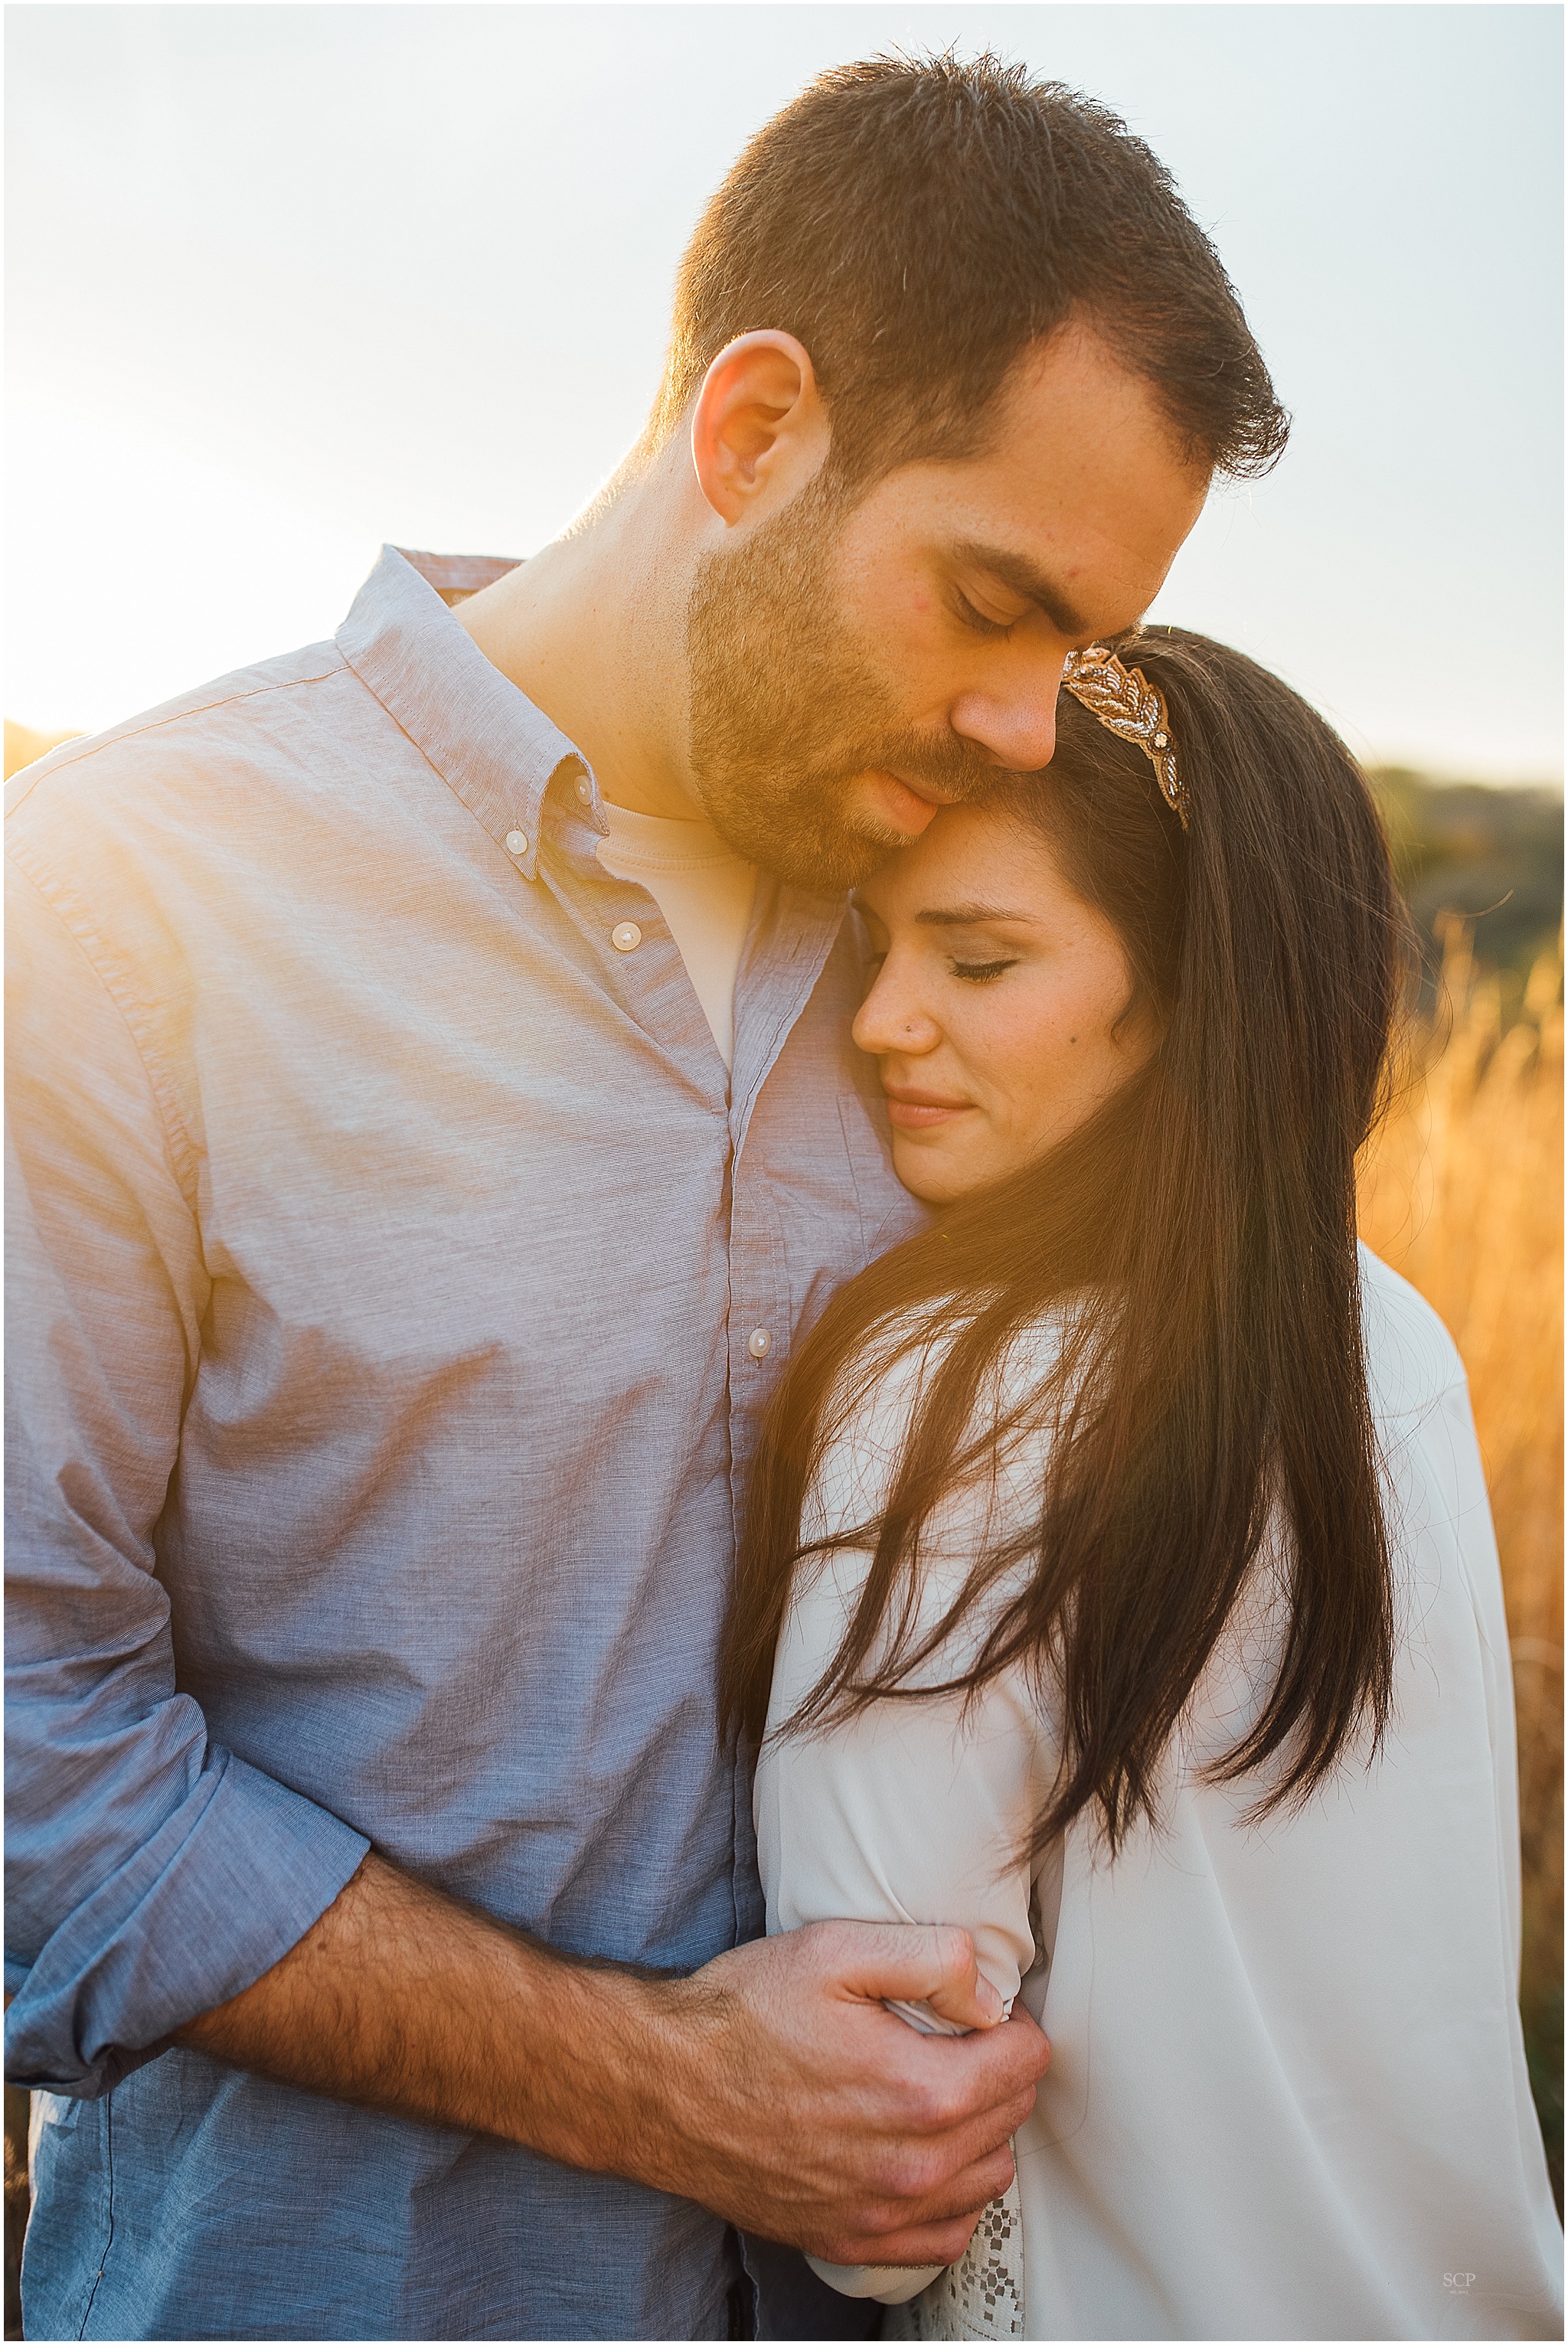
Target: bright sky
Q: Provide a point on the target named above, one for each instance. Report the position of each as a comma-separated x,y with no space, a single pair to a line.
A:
285,281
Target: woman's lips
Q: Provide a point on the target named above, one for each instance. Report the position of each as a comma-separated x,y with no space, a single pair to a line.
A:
911,1111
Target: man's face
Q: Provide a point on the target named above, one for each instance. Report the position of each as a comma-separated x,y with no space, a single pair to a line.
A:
856,664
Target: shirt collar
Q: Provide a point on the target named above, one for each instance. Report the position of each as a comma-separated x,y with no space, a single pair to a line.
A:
486,739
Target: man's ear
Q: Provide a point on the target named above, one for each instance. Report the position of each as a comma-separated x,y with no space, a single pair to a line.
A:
760,430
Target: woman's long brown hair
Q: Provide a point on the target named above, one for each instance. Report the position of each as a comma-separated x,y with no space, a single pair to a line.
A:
1208,1208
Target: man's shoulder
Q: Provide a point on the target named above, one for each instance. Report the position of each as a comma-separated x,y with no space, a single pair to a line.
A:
241,724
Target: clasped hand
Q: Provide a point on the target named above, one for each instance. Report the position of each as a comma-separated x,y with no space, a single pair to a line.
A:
801,2108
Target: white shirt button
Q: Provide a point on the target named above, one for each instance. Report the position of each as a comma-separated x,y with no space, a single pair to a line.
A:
517,842
626,935
585,790
757,1343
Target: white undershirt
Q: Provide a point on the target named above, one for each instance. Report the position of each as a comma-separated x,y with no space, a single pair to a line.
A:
704,892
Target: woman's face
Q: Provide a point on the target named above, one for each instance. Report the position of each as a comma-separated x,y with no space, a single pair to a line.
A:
993,1004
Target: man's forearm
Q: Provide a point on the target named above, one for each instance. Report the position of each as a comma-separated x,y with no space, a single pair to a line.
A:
401,1998
772,2086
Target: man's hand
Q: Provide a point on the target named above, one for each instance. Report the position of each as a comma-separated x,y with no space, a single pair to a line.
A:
771,2085
784,2096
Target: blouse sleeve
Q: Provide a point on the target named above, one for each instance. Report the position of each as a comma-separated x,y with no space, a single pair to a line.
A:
915,1811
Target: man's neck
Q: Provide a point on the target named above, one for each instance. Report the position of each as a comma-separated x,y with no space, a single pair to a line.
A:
593,630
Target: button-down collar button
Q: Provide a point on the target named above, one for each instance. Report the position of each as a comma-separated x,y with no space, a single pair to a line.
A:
757,1343
625,936
585,790
517,842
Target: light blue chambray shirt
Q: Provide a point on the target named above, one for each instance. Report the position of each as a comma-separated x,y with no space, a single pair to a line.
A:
386,1250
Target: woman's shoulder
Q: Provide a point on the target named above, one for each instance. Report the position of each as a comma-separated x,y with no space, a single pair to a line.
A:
882,1385
872,1410
1411,1359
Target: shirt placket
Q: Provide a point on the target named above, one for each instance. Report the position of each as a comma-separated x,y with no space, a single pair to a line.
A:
640,961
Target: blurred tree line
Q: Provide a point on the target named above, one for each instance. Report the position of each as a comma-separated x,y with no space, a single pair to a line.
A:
1492,853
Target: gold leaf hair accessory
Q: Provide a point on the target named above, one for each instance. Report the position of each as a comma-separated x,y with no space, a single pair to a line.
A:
1129,705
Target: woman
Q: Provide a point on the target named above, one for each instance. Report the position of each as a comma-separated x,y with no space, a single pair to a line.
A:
1119,1582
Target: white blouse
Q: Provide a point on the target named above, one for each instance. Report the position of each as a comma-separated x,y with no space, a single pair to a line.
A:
1287,2095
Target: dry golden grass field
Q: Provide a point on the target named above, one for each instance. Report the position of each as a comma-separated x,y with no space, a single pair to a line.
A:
1461,1190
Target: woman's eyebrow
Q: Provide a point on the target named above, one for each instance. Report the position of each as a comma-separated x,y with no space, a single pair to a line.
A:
971,916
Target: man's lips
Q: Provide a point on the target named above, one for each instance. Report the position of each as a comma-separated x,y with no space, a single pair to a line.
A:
910,804
916,1110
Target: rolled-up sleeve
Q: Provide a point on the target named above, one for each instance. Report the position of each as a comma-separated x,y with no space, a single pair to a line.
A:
150,1874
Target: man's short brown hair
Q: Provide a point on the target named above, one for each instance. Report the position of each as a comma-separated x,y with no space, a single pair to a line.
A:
917,223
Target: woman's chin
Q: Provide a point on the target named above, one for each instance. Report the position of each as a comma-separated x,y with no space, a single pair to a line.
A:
935,1174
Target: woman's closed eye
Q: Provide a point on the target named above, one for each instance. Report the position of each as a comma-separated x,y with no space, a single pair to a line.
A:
981,972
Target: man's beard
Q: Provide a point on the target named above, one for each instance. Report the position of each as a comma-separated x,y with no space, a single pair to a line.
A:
787,710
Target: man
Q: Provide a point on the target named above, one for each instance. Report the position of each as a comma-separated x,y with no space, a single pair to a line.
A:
433,1117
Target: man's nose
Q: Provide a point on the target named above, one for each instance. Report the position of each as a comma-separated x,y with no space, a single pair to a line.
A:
890,1020
1015,729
